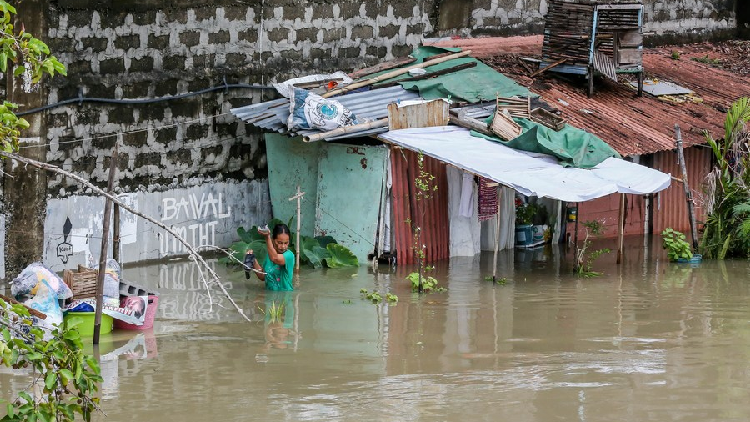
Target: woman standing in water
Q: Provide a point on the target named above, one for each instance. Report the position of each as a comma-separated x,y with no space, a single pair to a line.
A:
279,264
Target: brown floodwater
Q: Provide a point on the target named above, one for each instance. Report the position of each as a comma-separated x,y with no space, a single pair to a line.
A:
648,340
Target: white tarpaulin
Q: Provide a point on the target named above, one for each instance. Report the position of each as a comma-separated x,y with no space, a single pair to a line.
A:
528,173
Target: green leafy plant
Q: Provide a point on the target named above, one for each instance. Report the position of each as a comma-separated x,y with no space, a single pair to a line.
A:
525,212
376,297
675,55
65,376
501,281
429,283
317,251
425,188
585,258
31,58
727,189
707,60
676,245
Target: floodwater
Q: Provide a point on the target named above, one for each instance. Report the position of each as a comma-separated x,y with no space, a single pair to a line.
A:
648,340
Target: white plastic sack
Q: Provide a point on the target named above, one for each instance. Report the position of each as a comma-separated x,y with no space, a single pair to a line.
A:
45,301
34,274
285,88
311,111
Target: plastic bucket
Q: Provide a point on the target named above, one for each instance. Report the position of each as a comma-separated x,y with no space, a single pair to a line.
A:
524,234
86,322
148,319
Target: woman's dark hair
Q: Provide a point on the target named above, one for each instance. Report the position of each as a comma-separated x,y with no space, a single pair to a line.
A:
280,229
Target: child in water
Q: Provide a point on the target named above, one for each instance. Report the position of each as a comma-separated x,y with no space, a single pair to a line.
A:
279,264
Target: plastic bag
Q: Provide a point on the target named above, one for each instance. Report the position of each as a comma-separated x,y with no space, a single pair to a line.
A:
45,301
34,274
311,111
112,279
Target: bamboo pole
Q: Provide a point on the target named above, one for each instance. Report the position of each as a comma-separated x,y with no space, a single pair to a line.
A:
298,197
497,235
394,73
686,186
347,129
103,253
621,229
116,234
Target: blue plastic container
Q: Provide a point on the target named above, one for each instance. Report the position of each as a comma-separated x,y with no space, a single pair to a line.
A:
524,234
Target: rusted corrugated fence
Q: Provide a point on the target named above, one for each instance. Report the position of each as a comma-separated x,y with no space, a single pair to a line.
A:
431,215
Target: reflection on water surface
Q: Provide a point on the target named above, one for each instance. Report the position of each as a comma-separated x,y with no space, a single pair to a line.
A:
647,341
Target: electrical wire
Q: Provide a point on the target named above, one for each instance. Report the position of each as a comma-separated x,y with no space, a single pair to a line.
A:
81,99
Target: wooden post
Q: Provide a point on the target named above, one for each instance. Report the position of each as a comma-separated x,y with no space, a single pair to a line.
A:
103,253
298,197
621,228
116,233
497,236
686,186
575,234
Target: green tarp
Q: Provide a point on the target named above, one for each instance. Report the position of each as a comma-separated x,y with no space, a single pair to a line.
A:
475,84
572,146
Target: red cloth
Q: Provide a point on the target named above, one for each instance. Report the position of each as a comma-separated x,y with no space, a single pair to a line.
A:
487,199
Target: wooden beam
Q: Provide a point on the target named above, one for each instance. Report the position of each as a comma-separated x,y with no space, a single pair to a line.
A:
549,66
621,229
381,67
393,74
686,187
427,75
346,129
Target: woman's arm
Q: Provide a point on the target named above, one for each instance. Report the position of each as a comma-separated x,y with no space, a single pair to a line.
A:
273,255
257,266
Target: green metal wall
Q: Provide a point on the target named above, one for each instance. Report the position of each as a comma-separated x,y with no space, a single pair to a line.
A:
292,162
350,181
342,185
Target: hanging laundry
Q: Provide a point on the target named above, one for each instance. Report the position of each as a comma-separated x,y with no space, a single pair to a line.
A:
487,199
466,208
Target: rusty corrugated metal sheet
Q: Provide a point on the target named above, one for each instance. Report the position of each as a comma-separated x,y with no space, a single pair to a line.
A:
670,208
434,222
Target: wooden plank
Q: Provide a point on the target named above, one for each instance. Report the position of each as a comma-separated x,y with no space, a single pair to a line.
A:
429,114
347,129
381,67
630,55
427,75
394,73
630,39
620,7
604,65
549,66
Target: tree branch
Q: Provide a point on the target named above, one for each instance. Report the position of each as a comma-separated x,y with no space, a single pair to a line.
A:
194,255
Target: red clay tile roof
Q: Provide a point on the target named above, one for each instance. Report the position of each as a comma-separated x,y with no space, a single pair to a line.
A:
630,124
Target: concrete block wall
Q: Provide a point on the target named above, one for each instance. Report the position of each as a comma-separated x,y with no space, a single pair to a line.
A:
188,151
669,20
161,50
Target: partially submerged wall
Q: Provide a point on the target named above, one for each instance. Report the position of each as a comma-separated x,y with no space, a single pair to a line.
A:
204,215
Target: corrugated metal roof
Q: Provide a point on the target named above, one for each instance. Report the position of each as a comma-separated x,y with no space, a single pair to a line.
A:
643,125
371,104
